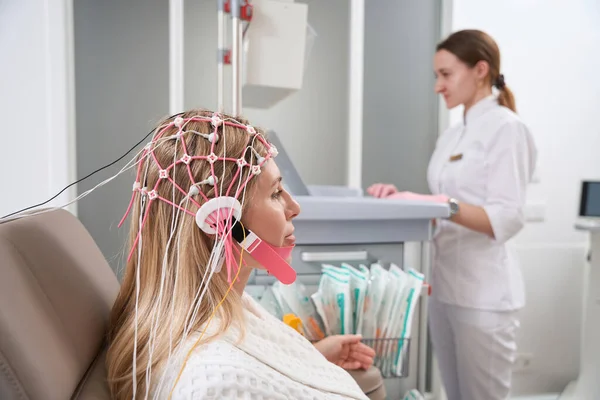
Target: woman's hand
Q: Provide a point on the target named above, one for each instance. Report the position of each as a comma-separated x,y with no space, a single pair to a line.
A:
346,351
381,190
438,198
387,191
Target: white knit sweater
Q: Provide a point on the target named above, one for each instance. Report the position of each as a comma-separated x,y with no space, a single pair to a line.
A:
272,362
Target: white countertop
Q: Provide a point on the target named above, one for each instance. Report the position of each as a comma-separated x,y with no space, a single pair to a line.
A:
590,225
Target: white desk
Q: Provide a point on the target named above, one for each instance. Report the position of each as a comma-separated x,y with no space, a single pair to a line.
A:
587,386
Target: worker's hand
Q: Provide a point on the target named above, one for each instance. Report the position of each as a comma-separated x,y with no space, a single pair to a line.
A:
381,190
439,198
346,351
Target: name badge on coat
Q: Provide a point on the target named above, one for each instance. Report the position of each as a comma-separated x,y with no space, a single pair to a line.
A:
456,157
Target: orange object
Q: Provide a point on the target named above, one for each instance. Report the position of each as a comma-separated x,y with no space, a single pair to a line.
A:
294,322
428,288
318,330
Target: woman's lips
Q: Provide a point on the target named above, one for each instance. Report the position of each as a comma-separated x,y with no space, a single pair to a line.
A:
290,240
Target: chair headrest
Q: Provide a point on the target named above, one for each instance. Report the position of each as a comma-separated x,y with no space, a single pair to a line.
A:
56,292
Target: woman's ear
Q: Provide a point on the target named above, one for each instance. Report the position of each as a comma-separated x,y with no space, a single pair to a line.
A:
482,70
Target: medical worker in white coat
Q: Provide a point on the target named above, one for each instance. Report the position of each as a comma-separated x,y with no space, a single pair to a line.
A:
481,167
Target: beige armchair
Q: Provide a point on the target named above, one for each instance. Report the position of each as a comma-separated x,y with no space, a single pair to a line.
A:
56,292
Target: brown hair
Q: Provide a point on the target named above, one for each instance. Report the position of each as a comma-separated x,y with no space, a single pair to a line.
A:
472,46
184,263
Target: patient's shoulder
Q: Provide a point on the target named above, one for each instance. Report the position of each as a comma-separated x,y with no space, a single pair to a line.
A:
203,372
219,370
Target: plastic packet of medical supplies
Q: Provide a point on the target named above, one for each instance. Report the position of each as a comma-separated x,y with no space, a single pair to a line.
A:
395,293
283,305
271,304
335,300
388,306
412,294
413,394
322,310
361,312
342,295
363,268
294,295
376,289
358,292
321,300
385,300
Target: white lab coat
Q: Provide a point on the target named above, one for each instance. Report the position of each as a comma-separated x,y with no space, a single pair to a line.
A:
486,160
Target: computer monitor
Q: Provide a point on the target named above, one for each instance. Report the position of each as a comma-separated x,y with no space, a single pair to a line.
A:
589,206
292,182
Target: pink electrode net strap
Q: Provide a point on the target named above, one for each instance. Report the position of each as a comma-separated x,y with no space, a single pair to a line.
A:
216,219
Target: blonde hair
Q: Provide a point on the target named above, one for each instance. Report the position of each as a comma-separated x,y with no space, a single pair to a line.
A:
186,258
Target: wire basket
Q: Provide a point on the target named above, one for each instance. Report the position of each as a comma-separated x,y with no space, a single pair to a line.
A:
391,355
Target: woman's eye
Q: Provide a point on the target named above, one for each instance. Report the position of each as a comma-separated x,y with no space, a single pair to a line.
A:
277,194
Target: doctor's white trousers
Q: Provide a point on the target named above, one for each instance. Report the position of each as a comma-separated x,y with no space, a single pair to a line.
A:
475,349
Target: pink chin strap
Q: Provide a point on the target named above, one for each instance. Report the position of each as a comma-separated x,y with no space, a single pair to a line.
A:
271,257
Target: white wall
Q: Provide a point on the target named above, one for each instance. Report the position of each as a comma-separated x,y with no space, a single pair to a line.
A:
36,102
550,59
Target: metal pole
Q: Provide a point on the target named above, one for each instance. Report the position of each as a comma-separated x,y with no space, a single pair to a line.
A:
176,72
355,91
236,57
220,52
423,367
